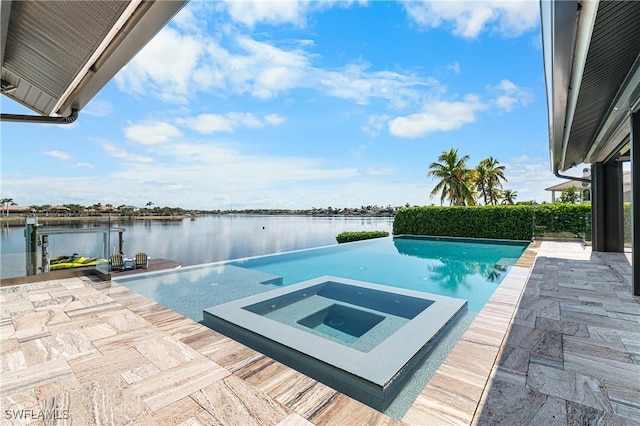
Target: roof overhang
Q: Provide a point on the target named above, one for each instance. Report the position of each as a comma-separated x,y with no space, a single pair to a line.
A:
57,55
592,72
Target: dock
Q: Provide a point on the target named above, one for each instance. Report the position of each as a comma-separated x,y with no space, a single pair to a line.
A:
154,265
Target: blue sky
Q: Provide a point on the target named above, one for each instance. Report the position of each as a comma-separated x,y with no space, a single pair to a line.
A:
254,104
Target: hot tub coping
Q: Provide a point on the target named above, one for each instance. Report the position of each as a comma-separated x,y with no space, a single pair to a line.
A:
371,372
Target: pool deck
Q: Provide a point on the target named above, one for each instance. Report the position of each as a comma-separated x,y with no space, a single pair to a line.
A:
557,343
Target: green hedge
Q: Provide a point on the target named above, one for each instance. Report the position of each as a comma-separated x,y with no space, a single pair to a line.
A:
347,237
627,222
512,222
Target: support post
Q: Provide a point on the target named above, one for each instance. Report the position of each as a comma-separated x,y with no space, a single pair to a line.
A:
614,197
45,253
635,206
606,208
31,245
597,209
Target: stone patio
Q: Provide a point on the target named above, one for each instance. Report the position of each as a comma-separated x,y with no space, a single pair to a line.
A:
78,351
572,354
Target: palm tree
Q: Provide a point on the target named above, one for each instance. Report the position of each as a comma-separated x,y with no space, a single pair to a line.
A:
480,180
455,179
494,174
495,194
6,202
509,196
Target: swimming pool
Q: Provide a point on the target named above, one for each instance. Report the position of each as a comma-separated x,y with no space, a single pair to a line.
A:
461,268
464,269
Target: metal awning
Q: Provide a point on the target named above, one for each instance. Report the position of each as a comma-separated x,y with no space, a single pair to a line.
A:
592,70
57,55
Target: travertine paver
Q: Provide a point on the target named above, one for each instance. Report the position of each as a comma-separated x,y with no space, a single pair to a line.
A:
568,352
571,355
76,351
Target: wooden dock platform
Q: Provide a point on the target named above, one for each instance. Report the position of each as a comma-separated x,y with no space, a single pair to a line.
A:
154,265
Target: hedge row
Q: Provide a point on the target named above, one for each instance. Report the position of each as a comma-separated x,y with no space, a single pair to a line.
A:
627,222
347,237
512,222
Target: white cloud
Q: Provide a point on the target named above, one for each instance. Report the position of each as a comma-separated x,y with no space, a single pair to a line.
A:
267,70
454,67
188,17
212,123
221,174
151,133
98,108
246,119
529,176
294,12
177,189
260,69
508,95
164,67
250,12
375,124
353,82
439,116
121,154
468,19
522,159
83,165
381,171
58,154
274,119
58,189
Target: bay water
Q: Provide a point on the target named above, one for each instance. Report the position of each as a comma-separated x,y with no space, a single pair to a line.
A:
191,242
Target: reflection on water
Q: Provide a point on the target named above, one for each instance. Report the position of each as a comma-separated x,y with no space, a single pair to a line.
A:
456,263
206,239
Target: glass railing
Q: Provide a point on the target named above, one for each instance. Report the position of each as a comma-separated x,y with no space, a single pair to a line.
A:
33,246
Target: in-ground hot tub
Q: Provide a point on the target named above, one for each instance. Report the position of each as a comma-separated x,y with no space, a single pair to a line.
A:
360,338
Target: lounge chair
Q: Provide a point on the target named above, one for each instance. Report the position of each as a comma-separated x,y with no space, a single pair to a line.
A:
117,262
142,260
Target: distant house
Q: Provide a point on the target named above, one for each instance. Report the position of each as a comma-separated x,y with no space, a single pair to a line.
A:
17,209
585,188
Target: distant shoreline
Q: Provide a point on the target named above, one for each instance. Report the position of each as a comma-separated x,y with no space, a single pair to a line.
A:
63,220
57,220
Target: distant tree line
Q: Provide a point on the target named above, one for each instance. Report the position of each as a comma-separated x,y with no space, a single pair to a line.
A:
98,209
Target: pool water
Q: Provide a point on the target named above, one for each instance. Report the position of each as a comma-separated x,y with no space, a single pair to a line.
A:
465,269
354,316
460,268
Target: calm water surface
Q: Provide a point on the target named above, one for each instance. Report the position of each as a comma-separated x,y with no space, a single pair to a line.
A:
206,239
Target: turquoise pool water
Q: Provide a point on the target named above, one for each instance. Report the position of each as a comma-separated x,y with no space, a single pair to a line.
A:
466,269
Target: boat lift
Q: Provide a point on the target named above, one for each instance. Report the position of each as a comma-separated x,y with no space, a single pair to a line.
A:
36,236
